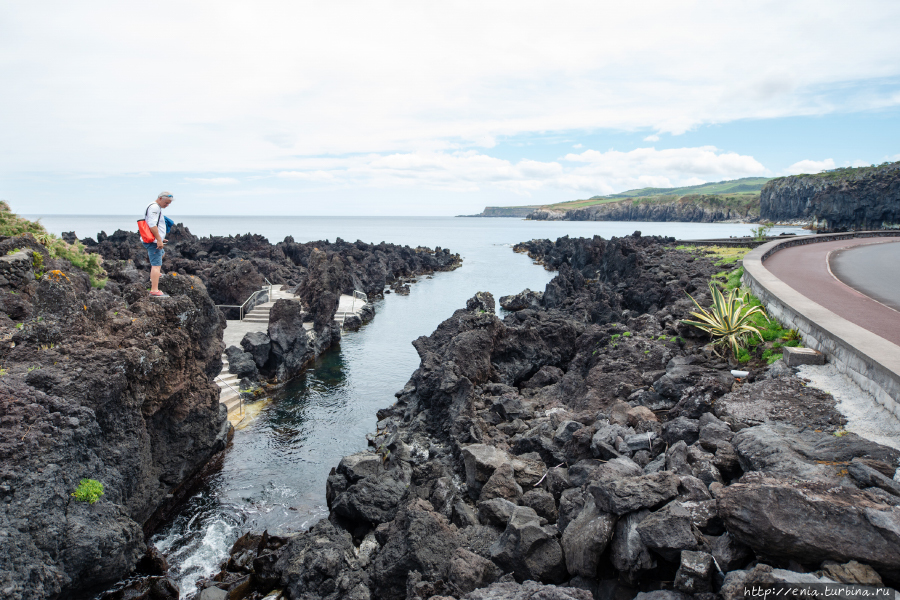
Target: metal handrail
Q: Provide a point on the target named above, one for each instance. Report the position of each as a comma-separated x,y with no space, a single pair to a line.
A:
240,396
252,296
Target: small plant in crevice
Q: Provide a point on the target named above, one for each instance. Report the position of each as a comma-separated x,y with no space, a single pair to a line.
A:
88,490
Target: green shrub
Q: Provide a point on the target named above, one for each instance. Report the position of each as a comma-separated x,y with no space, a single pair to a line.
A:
729,320
12,224
88,490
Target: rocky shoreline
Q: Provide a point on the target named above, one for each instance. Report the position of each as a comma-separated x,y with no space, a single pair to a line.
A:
589,445
112,385
234,267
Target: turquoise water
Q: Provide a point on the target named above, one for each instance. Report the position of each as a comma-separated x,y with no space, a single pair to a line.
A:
273,475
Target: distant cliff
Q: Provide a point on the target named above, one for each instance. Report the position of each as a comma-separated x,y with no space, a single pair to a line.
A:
693,208
864,198
505,211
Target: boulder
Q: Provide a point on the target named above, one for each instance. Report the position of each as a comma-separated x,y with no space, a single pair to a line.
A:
241,363
362,464
785,400
290,349
372,500
522,300
625,495
668,531
502,484
736,582
663,595
681,429
468,571
851,573
529,590
788,451
418,539
812,522
729,553
324,553
258,345
495,512
529,550
585,539
542,502
694,572
629,554
676,459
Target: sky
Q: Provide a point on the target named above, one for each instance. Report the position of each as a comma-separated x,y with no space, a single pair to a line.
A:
427,108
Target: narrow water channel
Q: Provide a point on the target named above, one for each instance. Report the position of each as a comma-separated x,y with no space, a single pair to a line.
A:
273,475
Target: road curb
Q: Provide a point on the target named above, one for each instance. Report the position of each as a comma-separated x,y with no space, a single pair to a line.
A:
871,361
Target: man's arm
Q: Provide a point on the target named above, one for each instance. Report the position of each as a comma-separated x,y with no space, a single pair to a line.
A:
159,241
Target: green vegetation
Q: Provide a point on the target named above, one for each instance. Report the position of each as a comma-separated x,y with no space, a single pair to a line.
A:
739,195
762,232
772,336
88,490
745,203
734,186
846,173
12,224
728,320
727,255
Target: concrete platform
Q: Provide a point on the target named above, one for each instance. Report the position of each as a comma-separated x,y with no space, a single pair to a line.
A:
235,330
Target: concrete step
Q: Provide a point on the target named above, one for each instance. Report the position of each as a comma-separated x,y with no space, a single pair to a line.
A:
256,319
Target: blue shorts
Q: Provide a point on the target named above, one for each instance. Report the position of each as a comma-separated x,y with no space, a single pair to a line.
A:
154,253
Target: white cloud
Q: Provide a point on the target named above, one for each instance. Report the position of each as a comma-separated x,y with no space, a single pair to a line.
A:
578,146
589,172
652,138
810,166
213,180
218,87
318,175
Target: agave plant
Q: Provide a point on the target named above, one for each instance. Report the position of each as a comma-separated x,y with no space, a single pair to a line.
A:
728,319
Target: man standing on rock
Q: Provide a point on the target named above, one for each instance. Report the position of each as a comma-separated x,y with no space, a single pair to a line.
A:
157,223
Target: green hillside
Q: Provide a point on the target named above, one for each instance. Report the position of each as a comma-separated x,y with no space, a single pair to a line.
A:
740,194
734,186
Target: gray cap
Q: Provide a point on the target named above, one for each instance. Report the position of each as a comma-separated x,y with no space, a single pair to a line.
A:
165,195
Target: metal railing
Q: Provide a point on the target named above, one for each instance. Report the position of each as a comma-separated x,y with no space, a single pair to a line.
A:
240,396
248,300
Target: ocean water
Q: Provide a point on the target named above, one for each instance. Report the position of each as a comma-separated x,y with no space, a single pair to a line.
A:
273,474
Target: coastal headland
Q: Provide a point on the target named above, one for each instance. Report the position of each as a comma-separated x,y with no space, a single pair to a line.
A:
836,200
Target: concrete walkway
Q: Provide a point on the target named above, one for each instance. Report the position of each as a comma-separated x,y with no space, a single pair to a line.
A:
792,280
235,330
873,269
258,320
807,270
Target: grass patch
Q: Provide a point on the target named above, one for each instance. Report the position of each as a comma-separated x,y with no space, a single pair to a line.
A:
12,224
88,490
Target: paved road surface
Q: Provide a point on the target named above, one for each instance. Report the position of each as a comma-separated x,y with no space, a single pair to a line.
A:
873,269
805,268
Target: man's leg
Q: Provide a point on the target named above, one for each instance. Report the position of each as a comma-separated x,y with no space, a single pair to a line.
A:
154,278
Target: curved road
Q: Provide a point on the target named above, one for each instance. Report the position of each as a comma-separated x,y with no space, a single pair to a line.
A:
875,271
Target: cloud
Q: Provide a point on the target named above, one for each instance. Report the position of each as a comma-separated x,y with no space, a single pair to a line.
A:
226,87
589,172
213,180
652,138
317,175
810,166
578,146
